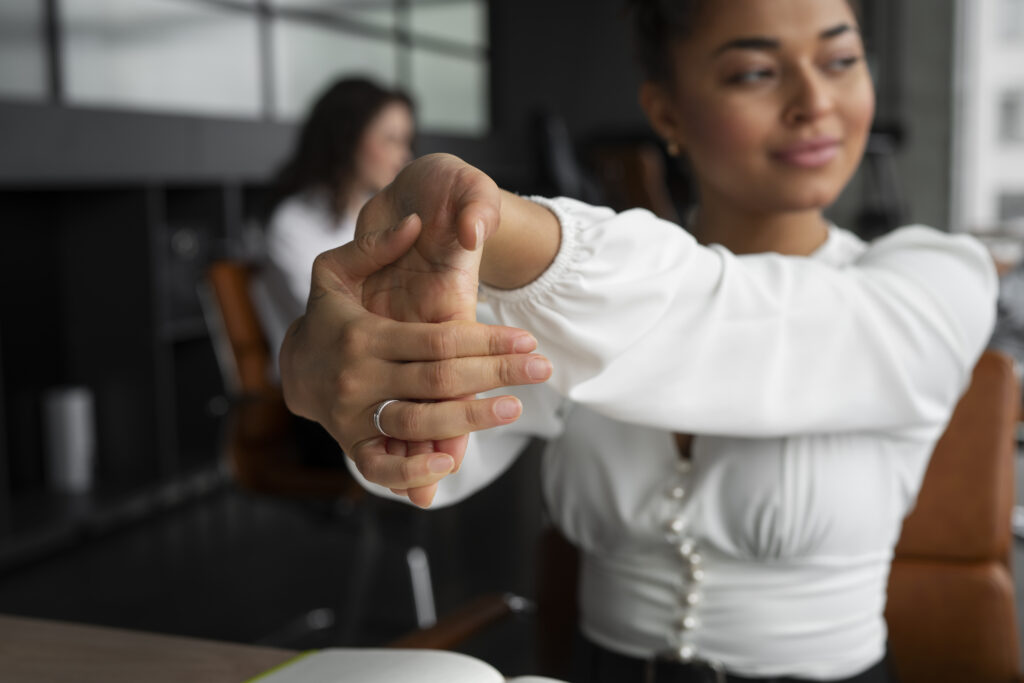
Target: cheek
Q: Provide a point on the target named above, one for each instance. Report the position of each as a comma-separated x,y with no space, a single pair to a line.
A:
721,136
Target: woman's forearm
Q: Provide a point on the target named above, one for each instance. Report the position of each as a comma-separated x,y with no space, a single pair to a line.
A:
524,246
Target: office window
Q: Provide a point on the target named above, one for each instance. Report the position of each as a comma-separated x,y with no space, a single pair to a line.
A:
165,55
372,13
251,58
23,66
1011,20
1011,116
451,93
463,23
308,57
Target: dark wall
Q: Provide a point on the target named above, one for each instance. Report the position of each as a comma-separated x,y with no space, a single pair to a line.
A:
566,58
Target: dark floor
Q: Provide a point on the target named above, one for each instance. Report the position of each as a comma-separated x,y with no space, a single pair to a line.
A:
237,567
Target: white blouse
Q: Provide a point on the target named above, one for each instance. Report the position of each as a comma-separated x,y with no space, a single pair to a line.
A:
300,229
817,388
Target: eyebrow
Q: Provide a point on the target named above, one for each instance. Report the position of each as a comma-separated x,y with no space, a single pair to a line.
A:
764,43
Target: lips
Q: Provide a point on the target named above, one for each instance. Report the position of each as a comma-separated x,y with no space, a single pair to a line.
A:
808,154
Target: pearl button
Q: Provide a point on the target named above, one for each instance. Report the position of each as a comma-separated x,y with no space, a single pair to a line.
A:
692,599
695,559
688,623
696,575
676,492
687,546
676,525
686,653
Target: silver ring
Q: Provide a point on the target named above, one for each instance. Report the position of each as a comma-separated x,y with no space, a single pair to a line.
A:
376,416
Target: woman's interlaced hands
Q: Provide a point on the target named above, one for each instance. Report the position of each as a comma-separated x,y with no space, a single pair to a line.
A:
370,334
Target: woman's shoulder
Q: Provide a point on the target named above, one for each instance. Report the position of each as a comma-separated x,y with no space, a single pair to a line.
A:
299,212
922,244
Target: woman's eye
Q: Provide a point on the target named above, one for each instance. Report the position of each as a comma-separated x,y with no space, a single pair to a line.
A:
751,76
842,63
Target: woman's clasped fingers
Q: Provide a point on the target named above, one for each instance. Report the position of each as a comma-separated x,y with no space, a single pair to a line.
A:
398,471
405,341
422,422
440,380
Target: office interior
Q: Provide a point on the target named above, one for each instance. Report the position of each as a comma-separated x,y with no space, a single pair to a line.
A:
137,141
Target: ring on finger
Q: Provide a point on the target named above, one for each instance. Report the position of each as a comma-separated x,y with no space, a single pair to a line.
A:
377,413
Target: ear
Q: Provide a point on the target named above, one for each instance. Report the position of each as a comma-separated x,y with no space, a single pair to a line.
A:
656,101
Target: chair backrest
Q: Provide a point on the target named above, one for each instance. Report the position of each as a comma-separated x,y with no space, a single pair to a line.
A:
633,175
951,608
242,350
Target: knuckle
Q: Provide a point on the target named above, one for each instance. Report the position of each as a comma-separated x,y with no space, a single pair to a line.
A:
409,470
472,413
352,340
410,418
508,372
443,343
322,263
442,379
347,383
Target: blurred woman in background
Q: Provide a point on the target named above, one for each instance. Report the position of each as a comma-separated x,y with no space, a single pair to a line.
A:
356,139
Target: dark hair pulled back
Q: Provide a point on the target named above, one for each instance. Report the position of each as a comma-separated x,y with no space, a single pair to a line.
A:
656,25
324,155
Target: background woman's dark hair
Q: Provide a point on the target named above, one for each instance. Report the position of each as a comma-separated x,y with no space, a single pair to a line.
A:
324,157
658,23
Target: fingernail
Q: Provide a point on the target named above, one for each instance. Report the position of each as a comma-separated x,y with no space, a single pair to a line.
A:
507,408
538,368
524,344
402,223
441,464
479,233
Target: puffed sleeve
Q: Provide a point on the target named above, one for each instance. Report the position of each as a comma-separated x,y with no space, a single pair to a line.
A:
645,325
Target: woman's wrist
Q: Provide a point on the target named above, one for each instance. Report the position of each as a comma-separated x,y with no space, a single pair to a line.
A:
525,244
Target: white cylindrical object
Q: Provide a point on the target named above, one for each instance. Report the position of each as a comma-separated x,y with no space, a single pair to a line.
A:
70,438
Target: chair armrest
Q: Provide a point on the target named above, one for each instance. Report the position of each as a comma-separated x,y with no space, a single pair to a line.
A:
455,628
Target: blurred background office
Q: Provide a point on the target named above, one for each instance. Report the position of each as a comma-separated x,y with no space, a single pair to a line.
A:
137,144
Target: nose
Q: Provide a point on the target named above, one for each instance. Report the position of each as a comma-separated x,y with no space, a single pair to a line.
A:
811,96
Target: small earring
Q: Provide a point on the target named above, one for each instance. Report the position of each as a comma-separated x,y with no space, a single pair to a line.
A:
672,148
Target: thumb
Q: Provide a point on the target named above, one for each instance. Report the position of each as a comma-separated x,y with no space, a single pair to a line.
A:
350,264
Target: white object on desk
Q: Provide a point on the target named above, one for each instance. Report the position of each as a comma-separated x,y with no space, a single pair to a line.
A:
69,421
341,665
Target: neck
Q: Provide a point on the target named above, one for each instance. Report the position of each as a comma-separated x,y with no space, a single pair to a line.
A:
743,231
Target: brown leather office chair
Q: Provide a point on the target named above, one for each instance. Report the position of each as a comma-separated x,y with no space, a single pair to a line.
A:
260,444
951,608
633,175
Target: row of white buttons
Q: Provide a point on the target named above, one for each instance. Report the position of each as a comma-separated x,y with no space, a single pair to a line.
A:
686,546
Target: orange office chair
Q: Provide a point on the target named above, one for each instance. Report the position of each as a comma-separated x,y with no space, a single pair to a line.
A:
263,453
951,608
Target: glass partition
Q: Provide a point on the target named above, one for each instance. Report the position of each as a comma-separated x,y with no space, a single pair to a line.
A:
308,57
451,93
23,66
164,55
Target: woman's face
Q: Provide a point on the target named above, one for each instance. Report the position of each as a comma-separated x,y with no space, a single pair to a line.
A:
386,146
772,102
